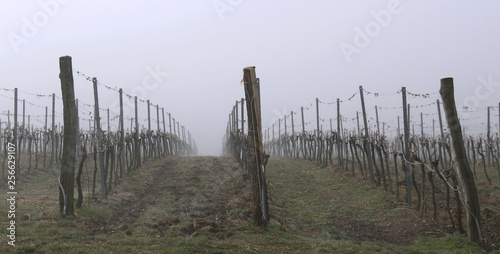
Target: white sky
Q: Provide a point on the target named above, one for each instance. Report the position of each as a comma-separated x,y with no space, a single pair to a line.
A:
295,46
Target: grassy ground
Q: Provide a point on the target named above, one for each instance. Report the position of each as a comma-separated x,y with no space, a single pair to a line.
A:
202,205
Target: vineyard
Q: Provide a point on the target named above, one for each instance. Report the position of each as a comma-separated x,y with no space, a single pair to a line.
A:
382,182
416,167
112,153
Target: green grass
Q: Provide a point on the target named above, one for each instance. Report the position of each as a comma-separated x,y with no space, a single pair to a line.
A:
306,201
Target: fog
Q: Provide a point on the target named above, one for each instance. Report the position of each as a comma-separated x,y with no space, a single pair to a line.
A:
188,56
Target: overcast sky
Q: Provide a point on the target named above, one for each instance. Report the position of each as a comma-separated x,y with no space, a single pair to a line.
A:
188,56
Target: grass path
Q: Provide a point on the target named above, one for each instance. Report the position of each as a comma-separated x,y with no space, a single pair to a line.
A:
202,205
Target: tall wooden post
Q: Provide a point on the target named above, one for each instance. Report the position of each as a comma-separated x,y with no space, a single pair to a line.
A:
488,137
164,132
100,151
407,147
45,136
157,118
339,134
293,134
53,137
67,177
376,115
303,145
122,136
236,115
23,134
242,118
464,171
367,134
136,137
17,152
260,208
279,137
149,131
318,130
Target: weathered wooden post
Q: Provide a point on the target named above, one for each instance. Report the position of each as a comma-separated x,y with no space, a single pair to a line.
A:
257,162
17,152
23,133
464,171
122,136
303,145
136,136
367,134
339,135
242,118
45,135
293,134
100,151
406,132
488,137
318,131
53,133
67,177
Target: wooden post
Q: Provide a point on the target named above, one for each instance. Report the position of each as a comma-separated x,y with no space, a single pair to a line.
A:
67,177
236,115
257,162
279,137
164,132
242,118
339,134
293,134
149,131
45,135
17,152
488,137
303,145
104,191
318,130
170,123
422,124
23,134
122,136
443,139
52,155
464,171
367,133
376,115
109,127
137,133
407,147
